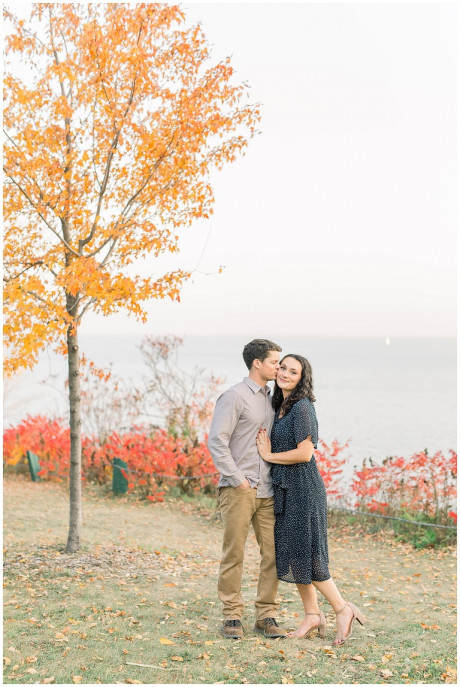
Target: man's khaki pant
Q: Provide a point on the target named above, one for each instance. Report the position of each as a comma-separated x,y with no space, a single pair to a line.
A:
239,508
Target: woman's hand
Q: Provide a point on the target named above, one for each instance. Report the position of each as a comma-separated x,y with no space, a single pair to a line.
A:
264,445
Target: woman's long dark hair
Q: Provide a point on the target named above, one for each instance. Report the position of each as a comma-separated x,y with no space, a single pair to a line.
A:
304,388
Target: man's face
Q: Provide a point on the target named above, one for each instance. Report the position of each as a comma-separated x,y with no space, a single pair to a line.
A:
269,367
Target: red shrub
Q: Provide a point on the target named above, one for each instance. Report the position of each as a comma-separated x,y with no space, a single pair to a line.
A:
422,483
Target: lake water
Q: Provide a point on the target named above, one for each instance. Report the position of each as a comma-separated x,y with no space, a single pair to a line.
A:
387,399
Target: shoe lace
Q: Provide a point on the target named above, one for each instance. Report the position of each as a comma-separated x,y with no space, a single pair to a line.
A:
233,623
271,621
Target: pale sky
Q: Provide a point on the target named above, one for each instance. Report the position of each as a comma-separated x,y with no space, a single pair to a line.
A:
341,217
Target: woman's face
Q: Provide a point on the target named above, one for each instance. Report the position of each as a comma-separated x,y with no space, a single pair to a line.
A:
289,374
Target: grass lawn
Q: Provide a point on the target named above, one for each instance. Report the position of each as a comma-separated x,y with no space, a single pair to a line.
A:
138,603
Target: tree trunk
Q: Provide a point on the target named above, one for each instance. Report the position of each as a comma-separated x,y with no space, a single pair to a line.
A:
75,519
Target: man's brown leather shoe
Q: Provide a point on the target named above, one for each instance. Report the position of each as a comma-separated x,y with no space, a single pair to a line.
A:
270,628
232,629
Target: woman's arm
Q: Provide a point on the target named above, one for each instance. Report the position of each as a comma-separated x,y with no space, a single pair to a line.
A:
302,454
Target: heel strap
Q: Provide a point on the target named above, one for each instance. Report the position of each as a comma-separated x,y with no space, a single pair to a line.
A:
318,613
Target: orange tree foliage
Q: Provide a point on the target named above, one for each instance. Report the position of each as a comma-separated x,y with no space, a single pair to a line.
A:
112,126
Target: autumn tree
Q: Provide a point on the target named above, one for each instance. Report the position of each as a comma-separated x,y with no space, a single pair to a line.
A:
114,117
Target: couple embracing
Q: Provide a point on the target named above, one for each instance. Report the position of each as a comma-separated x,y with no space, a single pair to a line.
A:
263,447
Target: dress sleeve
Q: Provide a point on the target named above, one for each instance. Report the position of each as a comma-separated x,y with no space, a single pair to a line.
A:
305,422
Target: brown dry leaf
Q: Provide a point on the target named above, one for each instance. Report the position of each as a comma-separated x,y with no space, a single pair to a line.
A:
169,584
386,673
386,658
60,637
329,651
6,661
358,658
76,679
130,681
209,642
31,659
32,671
165,640
176,658
48,680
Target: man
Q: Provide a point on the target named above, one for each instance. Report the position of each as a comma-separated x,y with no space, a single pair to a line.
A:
245,489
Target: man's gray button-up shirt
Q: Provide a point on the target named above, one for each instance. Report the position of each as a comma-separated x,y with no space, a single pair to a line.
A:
239,414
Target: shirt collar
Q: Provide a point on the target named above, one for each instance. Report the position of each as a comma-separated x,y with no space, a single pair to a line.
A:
256,387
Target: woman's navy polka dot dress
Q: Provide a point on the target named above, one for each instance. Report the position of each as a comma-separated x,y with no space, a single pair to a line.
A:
300,501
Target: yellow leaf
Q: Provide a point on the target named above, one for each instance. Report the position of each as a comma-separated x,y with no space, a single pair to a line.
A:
176,658
358,658
165,640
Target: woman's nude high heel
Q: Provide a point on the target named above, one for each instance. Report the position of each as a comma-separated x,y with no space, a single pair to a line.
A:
321,627
357,615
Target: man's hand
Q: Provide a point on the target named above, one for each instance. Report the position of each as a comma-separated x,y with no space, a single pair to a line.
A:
244,485
264,445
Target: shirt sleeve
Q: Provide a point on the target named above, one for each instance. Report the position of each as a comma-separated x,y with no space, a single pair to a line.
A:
226,415
305,422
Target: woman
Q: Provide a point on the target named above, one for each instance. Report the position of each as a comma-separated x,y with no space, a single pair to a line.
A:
300,500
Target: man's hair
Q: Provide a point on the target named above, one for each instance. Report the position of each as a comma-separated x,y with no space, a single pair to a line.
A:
258,349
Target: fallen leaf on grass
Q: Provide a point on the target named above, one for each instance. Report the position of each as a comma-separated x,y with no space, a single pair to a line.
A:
76,679
59,637
169,584
130,681
6,661
328,650
386,673
165,640
32,671
176,658
48,680
449,676
358,658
